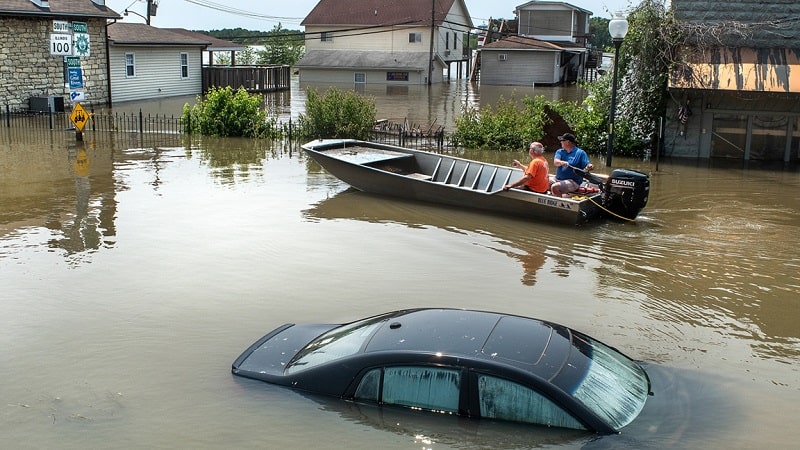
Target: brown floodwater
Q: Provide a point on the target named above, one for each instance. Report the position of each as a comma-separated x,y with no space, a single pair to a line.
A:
131,276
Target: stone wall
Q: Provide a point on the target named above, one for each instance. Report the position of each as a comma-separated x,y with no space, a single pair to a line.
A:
28,70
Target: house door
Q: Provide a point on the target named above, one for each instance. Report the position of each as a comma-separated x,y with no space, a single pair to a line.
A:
729,136
754,137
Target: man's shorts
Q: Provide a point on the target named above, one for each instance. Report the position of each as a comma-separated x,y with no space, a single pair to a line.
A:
566,186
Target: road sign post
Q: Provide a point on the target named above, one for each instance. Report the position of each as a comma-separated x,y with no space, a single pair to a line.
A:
79,117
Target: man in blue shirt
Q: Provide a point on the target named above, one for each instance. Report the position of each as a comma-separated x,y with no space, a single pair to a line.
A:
567,180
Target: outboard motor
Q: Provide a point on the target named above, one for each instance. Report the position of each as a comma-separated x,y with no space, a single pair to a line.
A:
625,193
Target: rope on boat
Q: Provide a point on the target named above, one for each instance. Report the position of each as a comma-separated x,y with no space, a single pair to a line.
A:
610,212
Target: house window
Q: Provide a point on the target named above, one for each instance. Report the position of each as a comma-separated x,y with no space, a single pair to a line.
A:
447,41
396,76
130,65
360,77
184,65
414,37
502,56
326,36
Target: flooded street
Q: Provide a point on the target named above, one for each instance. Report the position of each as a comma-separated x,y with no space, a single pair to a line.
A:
132,276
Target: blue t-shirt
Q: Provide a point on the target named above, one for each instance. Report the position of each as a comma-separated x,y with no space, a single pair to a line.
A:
576,158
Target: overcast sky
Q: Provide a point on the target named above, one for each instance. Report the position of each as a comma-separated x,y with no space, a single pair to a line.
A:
265,14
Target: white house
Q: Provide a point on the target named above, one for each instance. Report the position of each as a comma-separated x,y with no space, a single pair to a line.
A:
146,62
550,47
383,41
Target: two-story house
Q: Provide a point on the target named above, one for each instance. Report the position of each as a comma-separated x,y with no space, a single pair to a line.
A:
737,94
383,41
550,47
35,38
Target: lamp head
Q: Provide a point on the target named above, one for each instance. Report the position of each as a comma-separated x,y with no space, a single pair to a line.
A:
618,27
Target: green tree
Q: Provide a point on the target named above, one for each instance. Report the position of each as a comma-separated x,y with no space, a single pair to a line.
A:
644,65
282,47
246,57
600,38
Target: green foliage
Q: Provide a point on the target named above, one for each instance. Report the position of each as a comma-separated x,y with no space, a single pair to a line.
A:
282,47
246,57
600,38
507,126
643,70
224,112
337,114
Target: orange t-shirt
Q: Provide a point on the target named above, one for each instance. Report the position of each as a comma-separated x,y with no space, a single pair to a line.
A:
538,170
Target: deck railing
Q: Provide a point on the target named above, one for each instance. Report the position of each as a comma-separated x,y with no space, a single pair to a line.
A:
252,78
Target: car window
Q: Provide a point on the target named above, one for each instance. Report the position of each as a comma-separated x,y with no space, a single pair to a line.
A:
429,388
614,387
337,343
369,387
506,400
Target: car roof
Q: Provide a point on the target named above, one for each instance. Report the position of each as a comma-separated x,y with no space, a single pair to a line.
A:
518,341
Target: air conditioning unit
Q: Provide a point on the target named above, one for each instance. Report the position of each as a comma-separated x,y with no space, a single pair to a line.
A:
447,53
502,57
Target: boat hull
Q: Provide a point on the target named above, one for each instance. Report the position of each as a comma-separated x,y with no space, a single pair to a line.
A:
431,177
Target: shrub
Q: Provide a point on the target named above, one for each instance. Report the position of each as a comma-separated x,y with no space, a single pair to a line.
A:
337,114
507,126
224,112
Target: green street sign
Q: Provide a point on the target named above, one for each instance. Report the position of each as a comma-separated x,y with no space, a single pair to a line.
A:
79,27
73,61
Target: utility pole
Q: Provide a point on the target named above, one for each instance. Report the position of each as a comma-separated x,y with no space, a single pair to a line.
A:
433,35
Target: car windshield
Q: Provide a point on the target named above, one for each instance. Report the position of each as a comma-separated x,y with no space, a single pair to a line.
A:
614,386
336,343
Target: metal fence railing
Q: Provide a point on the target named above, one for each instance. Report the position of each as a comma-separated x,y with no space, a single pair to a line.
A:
142,124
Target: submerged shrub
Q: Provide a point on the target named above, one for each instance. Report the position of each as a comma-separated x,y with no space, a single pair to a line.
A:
337,114
224,112
507,126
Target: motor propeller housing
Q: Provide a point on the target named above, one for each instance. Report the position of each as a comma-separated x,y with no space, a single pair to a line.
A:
625,193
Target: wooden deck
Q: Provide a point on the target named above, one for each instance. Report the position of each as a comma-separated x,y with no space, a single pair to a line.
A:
252,78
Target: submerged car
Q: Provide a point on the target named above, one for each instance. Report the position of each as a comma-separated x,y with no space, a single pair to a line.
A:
462,362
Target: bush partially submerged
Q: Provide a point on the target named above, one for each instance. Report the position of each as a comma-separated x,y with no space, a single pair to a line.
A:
337,114
507,126
224,112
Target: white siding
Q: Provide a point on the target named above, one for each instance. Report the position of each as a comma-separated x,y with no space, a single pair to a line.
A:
158,73
521,67
373,76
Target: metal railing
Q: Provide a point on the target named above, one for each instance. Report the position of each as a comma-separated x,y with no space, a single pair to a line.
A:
142,124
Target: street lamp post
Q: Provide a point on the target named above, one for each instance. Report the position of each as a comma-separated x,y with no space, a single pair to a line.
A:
618,28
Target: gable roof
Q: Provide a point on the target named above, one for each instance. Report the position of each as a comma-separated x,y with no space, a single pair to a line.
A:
379,12
529,43
143,34
773,23
565,5
360,59
58,8
217,44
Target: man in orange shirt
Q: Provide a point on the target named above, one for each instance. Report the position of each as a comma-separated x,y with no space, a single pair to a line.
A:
536,176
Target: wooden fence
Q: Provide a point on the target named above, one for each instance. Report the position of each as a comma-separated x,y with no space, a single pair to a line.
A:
252,78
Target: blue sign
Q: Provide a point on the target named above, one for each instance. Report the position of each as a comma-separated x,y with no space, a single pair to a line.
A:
75,76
